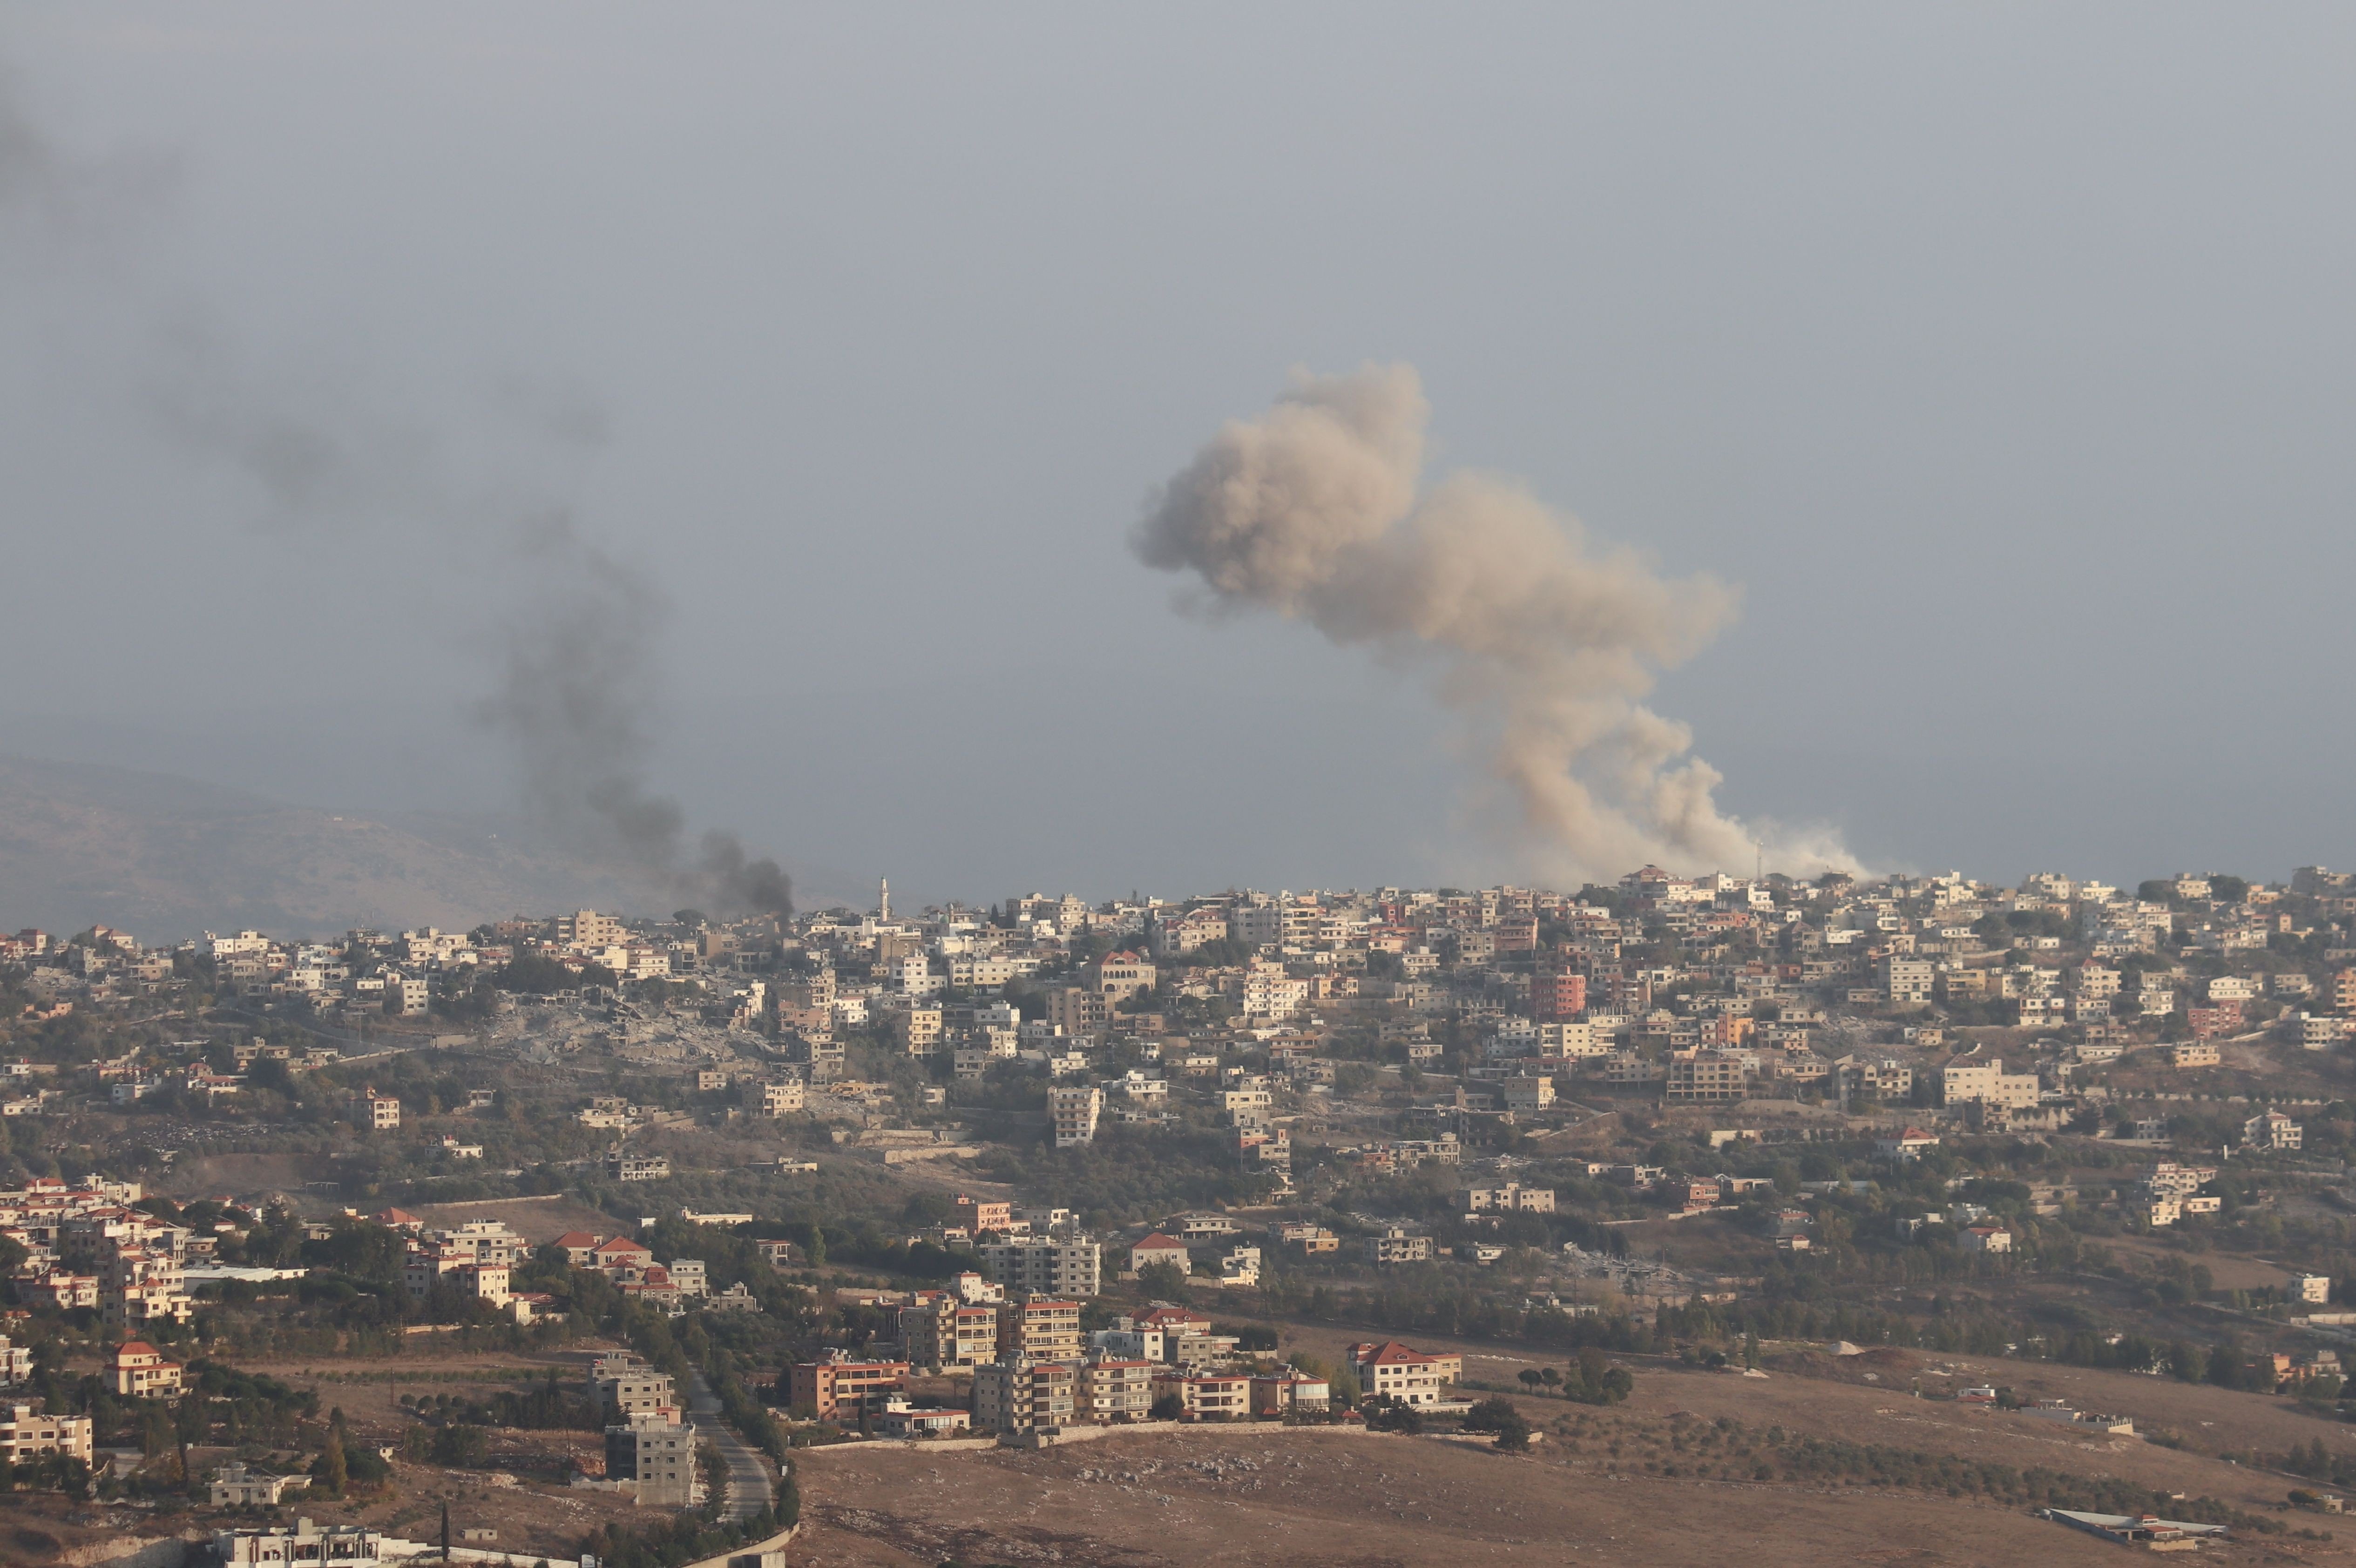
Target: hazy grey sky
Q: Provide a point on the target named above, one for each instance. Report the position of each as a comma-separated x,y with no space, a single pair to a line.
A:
2001,355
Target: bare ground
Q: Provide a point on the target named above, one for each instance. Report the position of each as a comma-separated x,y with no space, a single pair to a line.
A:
1322,1498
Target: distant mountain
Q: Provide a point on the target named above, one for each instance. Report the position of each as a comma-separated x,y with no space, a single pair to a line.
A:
165,858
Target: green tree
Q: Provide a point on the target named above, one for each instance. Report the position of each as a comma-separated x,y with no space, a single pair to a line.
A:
335,1474
459,1447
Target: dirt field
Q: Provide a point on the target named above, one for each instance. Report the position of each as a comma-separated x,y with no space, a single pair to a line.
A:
2229,1271
1320,1498
2209,1419
536,1220
218,1175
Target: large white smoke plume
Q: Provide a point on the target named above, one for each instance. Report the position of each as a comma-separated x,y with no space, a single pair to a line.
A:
1545,639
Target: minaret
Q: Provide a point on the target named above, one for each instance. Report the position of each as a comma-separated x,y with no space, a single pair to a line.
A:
883,897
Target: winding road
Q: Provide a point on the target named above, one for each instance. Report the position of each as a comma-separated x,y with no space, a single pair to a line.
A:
749,1488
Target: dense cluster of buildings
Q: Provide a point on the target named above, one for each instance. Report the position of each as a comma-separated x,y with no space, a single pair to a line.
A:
1031,1367
1703,990
85,1246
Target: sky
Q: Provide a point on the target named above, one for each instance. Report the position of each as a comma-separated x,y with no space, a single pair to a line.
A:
2000,355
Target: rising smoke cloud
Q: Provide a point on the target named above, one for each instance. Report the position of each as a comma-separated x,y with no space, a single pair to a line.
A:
576,696
1544,639
578,641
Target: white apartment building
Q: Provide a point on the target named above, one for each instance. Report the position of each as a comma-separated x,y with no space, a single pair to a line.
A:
1906,981
1075,1108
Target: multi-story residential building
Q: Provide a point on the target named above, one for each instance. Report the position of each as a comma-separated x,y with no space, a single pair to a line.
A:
943,1331
377,1112
1025,1396
1206,1395
626,1387
1045,1265
917,1027
1394,1245
839,1388
138,1287
1040,1328
1389,1369
589,932
1964,1080
2315,1033
1116,976
980,1214
1862,1078
26,1435
656,1450
1510,1198
1563,1041
59,1288
1076,1010
2271,1130
1314,1240
2167,1179
1184,931
2216,1018
1526,1093
141,1372
408,995
1074,1108
1707,1077
777,1099
1255,923
1276,1393
1907,981
623,1166
2094,981
1557,995
2192,1053
1112,1389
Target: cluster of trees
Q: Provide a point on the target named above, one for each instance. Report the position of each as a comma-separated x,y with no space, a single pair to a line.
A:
1135,1173
342,1468
1824,1460
1592,1380
1500,1416
2316,1462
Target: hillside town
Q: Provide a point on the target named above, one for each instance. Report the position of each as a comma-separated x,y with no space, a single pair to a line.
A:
725,1190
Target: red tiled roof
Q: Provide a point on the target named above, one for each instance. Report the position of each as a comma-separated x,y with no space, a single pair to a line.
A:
1391,1353
1161,1317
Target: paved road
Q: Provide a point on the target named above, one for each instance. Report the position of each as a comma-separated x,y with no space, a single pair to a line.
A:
749,1488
